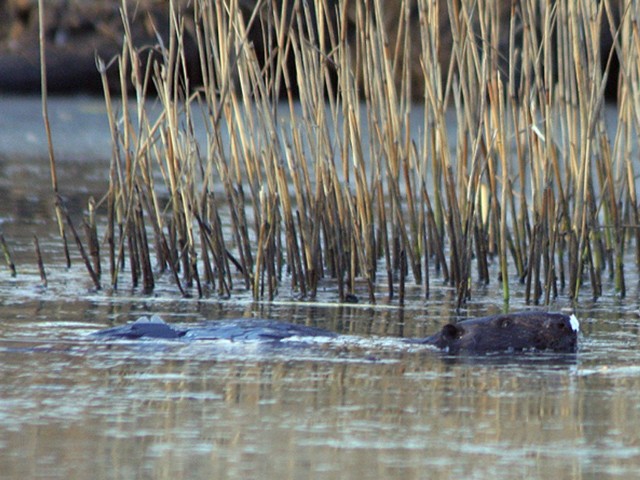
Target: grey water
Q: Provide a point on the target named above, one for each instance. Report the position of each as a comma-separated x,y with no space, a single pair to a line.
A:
368,407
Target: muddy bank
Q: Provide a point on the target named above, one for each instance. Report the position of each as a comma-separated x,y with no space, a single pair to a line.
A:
76,32
79,30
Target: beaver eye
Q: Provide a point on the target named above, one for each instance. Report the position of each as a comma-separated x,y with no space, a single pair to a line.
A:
452,332
505,323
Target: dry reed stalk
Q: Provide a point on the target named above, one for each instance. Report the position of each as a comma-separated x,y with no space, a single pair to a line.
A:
81,249
143,254
134,260
551,277
111,195
627,46
47,127
403,277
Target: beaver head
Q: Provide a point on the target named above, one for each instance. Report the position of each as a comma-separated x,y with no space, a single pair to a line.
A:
534,330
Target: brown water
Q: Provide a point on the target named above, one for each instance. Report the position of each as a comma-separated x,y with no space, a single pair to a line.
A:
364,406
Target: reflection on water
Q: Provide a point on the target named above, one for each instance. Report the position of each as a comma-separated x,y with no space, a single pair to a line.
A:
75,407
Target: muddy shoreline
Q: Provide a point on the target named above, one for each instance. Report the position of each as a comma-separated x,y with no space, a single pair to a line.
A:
77,32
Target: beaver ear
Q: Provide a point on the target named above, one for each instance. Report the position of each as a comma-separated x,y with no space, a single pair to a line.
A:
451,331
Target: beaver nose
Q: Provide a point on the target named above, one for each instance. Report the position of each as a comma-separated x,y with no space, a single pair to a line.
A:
575,324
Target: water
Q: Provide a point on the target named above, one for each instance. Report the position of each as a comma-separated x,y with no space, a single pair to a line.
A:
366,407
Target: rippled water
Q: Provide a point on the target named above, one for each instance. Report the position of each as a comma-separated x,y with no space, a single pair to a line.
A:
365,407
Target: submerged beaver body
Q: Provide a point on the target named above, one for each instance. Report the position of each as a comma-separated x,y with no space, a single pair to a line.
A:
234,330
498,333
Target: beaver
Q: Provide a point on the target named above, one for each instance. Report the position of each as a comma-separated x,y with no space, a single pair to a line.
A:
531,330
511,332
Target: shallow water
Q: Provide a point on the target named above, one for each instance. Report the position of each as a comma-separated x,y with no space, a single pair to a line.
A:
367,406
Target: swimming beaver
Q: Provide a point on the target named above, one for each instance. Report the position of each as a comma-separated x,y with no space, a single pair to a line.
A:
532,330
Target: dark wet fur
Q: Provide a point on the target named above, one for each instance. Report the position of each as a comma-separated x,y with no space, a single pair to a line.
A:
509,332
234,330
515,332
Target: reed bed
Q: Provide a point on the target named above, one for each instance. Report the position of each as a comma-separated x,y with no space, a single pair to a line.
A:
317,172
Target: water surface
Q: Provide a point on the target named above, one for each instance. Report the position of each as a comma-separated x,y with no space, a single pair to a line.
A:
365,407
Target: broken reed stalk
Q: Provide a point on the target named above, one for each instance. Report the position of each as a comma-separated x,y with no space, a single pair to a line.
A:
7,256
43,273
341,184
91,235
